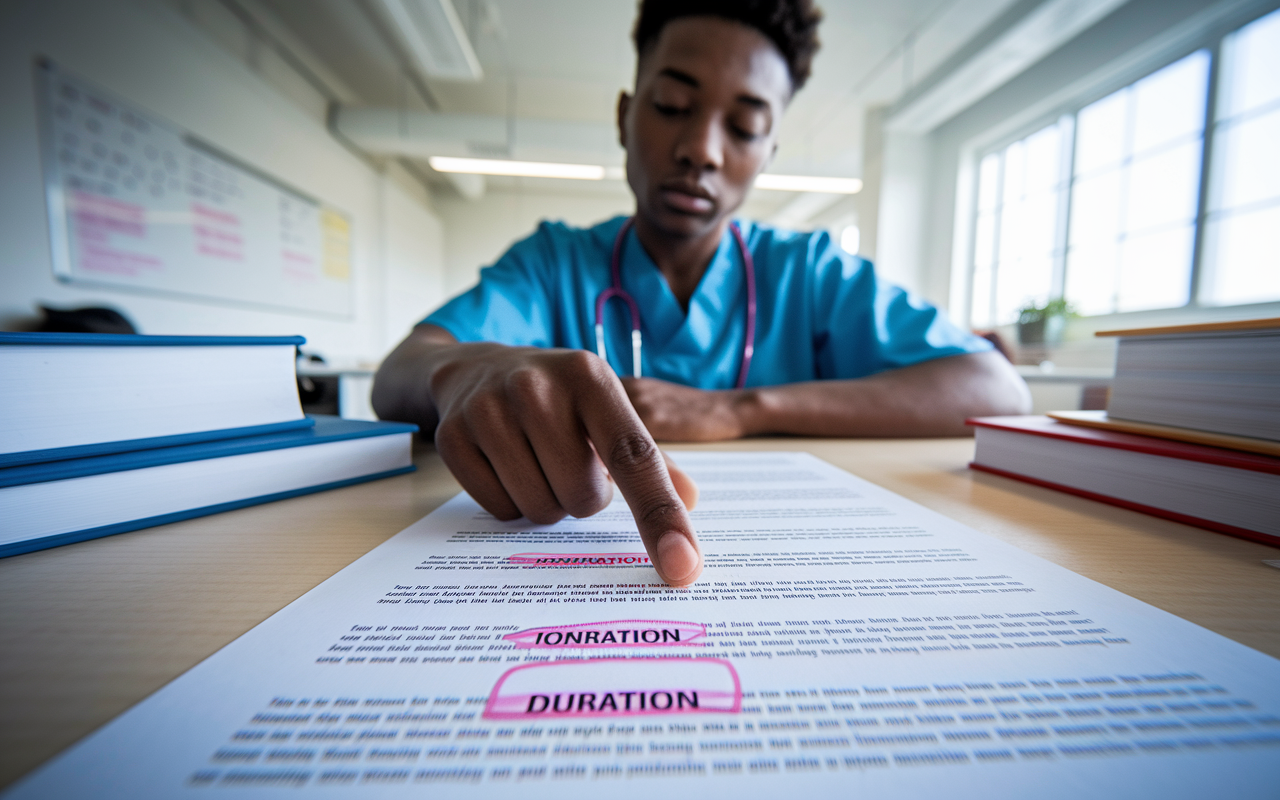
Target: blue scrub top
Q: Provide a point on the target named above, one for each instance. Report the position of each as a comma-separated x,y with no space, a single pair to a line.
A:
821,313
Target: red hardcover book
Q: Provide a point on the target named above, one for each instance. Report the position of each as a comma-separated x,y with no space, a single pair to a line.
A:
1222,490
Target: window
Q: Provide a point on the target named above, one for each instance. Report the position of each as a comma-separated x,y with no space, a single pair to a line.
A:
1242,234
1106,207
1134,190
1018,251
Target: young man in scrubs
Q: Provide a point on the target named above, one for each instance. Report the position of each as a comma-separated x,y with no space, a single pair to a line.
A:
534,423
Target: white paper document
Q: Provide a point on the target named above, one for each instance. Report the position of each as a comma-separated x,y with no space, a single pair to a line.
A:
841,640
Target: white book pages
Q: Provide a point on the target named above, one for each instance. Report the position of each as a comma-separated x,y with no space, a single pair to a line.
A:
1241,498
81,395
842,642
1222,382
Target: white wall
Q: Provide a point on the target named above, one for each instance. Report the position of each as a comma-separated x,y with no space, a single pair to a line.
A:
414,255
478,231
900,231
151,55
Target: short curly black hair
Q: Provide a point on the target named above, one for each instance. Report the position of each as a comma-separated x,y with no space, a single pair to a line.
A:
792,25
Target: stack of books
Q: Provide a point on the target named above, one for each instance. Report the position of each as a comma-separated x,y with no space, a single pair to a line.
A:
101,434
1191,433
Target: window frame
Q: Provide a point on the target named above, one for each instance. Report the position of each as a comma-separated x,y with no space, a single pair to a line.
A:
1062,224
1063,109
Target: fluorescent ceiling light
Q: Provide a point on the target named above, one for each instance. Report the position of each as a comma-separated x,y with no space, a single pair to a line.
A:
808,183
593,172
436,38
523,169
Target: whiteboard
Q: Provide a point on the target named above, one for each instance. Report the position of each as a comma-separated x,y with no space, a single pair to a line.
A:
137,203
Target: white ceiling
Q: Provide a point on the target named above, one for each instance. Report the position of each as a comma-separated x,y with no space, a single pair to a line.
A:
568,59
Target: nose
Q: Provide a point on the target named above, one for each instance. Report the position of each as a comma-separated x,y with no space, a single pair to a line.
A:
701,144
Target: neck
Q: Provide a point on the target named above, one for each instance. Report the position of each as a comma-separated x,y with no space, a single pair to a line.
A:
682,260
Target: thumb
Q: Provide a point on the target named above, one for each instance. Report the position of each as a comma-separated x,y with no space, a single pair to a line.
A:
684,485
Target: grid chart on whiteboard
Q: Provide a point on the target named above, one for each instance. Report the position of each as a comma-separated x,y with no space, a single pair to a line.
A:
137,203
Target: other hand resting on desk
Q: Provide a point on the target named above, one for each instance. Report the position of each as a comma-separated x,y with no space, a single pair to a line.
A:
929,399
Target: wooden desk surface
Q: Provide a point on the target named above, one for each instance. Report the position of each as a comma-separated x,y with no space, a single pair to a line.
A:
92,628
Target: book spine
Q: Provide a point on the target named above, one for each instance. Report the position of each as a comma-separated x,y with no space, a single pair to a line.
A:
140,340
1217,527
71,537
154,443
45,472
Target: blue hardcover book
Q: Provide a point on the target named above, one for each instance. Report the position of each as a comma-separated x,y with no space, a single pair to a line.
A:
53,503
72,396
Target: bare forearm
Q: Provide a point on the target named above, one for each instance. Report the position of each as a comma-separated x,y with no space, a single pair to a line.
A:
929,399
402,387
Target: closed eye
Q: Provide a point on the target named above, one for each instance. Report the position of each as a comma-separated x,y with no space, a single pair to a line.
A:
670,110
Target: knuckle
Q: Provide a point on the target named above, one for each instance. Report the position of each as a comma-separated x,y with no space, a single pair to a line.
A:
486,409
632,453
582,361
526,385
659,512
450,435
588,366
589,497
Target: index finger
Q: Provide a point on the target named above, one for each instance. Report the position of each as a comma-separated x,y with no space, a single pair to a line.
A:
640,473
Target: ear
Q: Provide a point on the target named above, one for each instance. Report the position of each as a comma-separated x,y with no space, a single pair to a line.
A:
624,103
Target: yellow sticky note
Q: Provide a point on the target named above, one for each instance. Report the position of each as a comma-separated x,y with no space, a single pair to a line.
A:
336,234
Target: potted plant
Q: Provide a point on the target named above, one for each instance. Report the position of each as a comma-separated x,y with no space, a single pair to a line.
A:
1042,324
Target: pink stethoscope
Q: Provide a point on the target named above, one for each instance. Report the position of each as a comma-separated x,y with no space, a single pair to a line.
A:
616,290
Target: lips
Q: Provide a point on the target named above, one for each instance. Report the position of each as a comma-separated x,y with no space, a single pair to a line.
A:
687,198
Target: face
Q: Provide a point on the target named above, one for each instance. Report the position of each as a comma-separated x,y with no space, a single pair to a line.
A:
703,122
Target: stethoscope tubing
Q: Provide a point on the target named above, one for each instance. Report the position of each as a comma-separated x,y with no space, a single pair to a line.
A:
633,308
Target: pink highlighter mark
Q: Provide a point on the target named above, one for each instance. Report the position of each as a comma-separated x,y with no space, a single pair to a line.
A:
614,688
580,559
620,633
